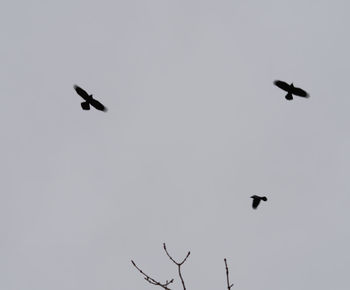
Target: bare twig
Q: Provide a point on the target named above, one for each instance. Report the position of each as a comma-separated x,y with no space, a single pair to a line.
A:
178,264
153,281
229,286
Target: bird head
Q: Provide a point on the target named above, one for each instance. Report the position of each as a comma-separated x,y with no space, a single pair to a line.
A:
292,85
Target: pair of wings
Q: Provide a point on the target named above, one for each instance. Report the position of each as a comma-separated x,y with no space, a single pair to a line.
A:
96,104
295,91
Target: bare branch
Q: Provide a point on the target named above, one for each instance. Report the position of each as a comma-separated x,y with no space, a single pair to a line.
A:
229,286
178,264
153,281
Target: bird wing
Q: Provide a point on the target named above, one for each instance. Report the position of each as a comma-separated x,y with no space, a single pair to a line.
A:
81,92
97,105
256,202
282,85
300,92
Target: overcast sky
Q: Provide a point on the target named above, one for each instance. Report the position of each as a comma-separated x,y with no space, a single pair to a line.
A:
195,127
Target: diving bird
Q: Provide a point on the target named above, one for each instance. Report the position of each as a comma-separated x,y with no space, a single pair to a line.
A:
89,100
291,90
257,199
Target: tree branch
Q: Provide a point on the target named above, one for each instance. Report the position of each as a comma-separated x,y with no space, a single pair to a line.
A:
178,264
153,281
229,286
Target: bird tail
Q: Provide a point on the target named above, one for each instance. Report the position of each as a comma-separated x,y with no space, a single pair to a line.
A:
289,97
264,198
85,105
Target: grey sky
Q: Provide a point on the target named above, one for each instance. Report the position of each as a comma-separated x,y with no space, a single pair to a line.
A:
194,128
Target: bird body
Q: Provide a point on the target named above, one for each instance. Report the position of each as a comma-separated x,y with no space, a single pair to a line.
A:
291,90
257,199
89,100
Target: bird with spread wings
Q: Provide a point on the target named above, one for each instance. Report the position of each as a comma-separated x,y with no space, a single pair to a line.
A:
291,90
89,100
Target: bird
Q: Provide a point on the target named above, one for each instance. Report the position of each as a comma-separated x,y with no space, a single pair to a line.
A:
291,90
89,100
257,199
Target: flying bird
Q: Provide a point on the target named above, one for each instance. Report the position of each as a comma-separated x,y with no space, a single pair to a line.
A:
89,100
291,90
257,199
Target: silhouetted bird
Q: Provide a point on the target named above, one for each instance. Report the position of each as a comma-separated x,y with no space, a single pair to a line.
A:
89,100
257,199
291,90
